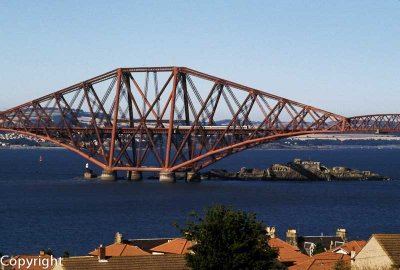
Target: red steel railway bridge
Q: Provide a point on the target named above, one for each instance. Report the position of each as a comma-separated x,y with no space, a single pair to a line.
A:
171,119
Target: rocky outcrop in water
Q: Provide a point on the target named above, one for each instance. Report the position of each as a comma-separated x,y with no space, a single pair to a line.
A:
297,170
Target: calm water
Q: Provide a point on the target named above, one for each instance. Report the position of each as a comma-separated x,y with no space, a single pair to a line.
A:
49,205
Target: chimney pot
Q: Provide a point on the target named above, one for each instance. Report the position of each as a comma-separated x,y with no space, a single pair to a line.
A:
291,237
353,254
342,233
102,253
118,238
271,232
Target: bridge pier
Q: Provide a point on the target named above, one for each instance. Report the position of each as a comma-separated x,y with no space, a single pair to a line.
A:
167,177
89,174
192,177
134,175
108,175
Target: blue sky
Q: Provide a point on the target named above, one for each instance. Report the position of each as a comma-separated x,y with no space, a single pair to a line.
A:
343,56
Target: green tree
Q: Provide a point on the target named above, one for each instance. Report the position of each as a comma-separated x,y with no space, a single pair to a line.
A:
228,239
341,265
48,251
65,254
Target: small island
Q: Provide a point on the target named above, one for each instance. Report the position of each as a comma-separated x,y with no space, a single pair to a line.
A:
296,170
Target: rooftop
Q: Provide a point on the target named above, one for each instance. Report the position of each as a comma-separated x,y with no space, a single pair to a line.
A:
147,244
154,262
391,244
355,245
322,261
36,265
287,252
117,250
175,246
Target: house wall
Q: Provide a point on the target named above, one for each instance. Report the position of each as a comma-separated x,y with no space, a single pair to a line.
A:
372,256
58,267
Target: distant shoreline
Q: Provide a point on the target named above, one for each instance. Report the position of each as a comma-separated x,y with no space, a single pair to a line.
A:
18,147
262,147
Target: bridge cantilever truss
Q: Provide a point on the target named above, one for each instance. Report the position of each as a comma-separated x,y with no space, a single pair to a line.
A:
171,119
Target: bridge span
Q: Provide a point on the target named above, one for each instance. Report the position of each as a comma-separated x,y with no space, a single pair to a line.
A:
169,119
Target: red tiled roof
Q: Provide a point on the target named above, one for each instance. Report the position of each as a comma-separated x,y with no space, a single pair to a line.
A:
147,244
355,245
118,250
175,246
322,261
391,244
287,252
151,262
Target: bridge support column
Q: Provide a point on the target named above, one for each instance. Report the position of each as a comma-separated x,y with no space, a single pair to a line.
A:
134,175
89,174
167,177
108,175
192,177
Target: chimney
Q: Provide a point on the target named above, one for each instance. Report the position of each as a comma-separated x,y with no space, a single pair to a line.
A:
118,238
342,233
102,253
353,254
271,232
291,237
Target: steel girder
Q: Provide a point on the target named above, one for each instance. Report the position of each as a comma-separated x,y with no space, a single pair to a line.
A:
171,119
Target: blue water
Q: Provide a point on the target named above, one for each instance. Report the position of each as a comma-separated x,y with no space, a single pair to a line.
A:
49,205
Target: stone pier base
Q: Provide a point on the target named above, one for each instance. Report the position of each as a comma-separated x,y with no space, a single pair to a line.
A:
167,177
134,175
89,174
192,177
108,175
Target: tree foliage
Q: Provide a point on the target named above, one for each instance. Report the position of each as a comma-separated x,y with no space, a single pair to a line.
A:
228,239
342,265
65,254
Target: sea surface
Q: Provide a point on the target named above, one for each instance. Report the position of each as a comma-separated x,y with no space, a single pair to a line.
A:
48,205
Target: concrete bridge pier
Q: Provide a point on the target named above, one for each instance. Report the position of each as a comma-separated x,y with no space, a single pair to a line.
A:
89,174
192,177
108,175
134,175
167,177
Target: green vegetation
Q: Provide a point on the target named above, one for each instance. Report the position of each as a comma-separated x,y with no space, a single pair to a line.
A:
228,239
65,254
342,265
48,251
